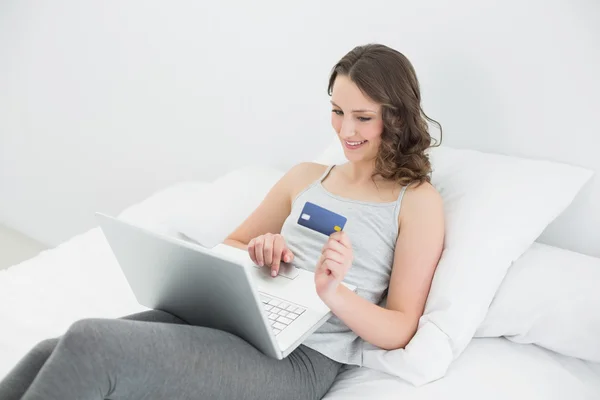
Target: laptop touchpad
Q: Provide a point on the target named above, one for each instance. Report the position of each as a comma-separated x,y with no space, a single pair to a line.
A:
285,269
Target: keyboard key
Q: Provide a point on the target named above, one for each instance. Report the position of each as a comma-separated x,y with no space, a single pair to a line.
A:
280,313
284,320
278,325
265,299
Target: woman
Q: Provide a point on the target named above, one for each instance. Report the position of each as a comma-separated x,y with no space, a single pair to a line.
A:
389,249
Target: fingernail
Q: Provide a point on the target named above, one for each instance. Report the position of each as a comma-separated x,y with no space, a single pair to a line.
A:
273,273
260,263
287,259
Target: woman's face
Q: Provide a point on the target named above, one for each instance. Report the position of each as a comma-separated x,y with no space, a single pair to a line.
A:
356,119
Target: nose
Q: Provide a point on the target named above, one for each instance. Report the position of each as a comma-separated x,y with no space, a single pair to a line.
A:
348,129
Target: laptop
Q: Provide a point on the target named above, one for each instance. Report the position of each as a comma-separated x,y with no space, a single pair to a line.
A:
219,288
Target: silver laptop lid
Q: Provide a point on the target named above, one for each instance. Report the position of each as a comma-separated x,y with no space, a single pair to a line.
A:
189,281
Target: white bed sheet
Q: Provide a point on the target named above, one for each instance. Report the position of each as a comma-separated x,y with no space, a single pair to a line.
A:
489,369
41,297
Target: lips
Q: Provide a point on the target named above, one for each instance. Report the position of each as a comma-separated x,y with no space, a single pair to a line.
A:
353,145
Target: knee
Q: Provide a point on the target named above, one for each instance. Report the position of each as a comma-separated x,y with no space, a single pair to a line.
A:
84,334
45,347
84,326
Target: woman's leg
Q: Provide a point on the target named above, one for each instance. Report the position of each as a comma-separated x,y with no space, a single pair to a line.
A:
122,359
14,385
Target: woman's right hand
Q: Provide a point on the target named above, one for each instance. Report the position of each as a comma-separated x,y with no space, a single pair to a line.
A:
270,249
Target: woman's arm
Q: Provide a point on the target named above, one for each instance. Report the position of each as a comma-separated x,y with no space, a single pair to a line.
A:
418,250
270,215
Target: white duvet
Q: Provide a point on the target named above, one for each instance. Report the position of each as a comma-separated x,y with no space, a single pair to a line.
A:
41,297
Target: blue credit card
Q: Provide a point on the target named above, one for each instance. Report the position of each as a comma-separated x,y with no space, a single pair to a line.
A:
320,219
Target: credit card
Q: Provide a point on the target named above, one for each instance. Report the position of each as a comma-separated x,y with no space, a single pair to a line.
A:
320,219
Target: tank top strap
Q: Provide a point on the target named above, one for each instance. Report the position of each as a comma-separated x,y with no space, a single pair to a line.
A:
326,173
399,201
314,184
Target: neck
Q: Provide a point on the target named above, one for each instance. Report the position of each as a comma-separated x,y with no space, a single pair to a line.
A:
361,171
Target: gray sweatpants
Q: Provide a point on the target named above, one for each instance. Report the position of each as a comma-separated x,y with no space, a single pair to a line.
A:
155,355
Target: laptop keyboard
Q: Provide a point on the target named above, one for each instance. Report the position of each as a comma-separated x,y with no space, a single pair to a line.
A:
280,313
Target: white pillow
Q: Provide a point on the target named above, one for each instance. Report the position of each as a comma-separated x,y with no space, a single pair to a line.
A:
549,297
207,216
159,211
495,206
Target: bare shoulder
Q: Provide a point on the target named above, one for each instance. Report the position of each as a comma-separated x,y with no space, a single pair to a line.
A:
303,174
306,170
420,201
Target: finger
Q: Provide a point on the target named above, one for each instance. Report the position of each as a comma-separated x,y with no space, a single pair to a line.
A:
333,256
259,244
341,237
251,250
334,245
319,265
278,247
287,254
268,249
334,268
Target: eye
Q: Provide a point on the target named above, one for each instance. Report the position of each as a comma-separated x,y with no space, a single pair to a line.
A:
364,119
338,112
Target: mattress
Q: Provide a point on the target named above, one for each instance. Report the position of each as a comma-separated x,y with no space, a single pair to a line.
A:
41,297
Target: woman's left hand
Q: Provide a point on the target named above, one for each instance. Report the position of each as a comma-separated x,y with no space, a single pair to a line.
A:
335,261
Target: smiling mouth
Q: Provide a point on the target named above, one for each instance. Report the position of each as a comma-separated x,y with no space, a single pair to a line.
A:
354,145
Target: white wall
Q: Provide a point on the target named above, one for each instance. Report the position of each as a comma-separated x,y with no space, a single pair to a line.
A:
103,103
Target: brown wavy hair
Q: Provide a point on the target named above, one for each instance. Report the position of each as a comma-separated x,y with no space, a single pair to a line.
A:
387,77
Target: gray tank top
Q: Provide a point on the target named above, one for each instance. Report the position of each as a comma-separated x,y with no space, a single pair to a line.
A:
373,229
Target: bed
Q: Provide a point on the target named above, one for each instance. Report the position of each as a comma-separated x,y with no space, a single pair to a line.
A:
41,297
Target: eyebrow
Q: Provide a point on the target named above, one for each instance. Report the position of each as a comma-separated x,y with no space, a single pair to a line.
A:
362,110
